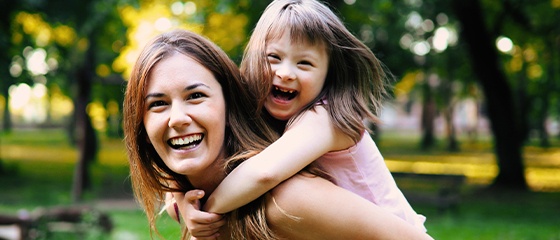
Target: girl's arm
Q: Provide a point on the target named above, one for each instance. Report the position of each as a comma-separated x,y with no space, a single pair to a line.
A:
201,225
310,207
307,139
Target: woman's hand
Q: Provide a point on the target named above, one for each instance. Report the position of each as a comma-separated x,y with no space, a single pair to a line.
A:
202,225
171,207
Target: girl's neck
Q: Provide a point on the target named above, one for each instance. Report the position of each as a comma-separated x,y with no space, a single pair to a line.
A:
278,125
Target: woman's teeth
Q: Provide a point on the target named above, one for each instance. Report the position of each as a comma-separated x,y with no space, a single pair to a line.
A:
185,141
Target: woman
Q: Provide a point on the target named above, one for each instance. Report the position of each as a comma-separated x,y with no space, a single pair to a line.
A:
187,111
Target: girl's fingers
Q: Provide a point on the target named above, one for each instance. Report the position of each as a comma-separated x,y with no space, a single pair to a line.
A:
193,197
204,235
203,231
202,225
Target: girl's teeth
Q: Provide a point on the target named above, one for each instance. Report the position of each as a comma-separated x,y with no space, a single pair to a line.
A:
282,90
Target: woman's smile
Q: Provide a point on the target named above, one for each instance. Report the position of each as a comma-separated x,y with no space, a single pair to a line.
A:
185,115
186,142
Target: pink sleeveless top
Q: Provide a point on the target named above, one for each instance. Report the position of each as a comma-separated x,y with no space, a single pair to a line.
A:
361,169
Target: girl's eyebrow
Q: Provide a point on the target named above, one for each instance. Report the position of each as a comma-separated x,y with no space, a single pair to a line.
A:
187,88
273,46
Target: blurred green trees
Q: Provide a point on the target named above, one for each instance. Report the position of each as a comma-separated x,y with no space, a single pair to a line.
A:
440,53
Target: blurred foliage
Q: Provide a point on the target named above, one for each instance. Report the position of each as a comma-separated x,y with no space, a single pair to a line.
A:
418,40
392,29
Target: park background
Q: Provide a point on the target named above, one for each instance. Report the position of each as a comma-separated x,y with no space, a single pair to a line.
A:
476,94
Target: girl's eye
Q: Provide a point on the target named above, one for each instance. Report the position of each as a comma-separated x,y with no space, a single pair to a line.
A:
306,63
273,57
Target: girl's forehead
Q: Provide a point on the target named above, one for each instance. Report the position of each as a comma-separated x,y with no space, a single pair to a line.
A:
296,36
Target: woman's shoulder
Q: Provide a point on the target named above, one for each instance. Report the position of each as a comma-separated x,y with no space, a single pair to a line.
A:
291,205
293,194
304,180
309,207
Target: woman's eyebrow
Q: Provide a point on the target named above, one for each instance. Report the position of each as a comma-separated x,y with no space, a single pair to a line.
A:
196,85
154,95
187,88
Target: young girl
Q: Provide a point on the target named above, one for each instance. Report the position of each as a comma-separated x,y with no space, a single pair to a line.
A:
321,83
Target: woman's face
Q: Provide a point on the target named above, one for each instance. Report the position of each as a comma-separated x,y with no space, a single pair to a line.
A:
185,115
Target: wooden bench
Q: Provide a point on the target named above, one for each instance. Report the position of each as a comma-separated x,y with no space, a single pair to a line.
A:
45,223
441,190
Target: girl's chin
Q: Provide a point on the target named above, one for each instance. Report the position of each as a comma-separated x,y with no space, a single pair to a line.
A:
281,117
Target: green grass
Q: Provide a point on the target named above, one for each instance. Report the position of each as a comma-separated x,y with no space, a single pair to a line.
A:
483,213
37,168
503,215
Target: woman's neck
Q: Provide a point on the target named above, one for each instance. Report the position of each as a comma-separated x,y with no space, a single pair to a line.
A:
209,179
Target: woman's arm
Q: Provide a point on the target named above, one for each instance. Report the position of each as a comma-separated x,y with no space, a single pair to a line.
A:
307,139
310,207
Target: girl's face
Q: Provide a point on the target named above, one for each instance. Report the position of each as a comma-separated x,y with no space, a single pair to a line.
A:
299,71
185,116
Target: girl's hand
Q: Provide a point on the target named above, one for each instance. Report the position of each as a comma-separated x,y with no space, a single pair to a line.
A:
202,225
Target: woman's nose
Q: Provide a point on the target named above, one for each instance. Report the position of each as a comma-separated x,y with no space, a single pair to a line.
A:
285,72
179,116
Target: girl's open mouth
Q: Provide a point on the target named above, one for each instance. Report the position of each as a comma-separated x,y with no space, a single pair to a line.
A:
283,94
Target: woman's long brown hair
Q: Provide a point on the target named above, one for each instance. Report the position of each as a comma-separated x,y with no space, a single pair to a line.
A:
246,132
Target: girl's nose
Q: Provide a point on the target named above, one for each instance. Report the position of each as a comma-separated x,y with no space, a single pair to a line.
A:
285,72
179,116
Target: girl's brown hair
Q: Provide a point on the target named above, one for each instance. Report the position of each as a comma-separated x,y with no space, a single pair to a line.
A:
356,81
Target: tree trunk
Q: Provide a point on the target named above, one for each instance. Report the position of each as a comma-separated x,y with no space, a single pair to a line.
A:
428,116
548,88
545,88
6,116
6,81
554,72
452,143
499,100
6,13
448,95
84,132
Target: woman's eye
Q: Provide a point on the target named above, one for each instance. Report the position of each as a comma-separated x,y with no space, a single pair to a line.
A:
156,104
196,95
